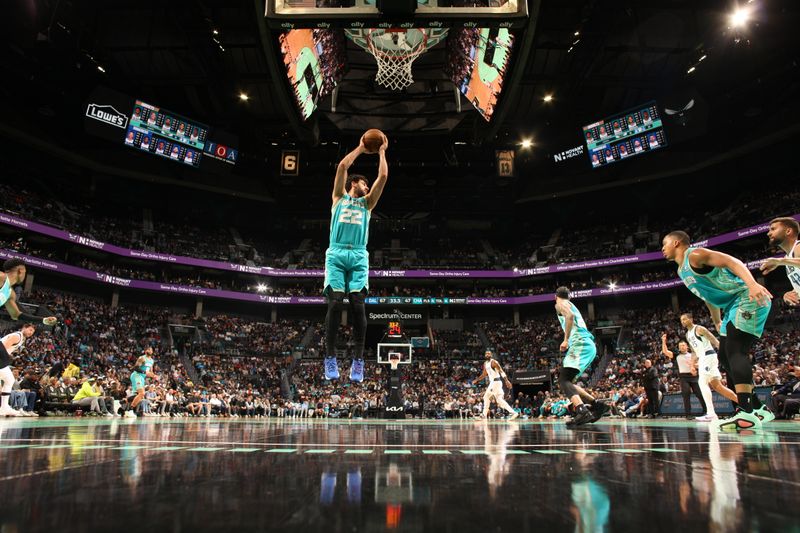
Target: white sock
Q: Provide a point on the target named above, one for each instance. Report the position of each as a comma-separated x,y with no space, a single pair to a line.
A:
4,402
705,390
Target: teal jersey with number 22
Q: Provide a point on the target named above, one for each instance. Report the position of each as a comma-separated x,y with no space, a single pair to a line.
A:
350,223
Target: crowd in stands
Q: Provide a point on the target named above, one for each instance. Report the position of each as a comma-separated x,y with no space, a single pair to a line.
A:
244,367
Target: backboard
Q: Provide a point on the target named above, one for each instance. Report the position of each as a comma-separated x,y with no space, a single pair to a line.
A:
358,14
387,350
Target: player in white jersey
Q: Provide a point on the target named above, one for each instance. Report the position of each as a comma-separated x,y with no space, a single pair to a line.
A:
494,372
783,233
11,343
705,345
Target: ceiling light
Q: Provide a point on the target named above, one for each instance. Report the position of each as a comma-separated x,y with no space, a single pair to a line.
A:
577,33
261,287
702,58
690,70
215,32
526,143
548,98
101,69
740,17
243,97
612,285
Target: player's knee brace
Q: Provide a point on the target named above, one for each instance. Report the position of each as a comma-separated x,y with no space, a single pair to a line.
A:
332,320
359,312
565,383
737,350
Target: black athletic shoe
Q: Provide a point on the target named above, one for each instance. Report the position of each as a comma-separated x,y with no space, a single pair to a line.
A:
583,416
599,410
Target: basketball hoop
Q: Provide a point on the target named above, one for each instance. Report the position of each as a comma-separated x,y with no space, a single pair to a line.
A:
395,50
394,360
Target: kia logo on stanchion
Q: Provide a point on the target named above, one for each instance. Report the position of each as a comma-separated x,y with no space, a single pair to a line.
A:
107,114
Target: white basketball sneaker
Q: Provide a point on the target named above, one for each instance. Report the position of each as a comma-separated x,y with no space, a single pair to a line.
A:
8,411
706,418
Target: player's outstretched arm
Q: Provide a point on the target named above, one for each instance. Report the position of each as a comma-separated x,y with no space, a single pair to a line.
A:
569,321
774,262
704,257
703,332
664,350
15,313
716,315
380,182
341,170
499,369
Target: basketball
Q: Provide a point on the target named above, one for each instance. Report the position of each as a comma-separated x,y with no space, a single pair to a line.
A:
373,139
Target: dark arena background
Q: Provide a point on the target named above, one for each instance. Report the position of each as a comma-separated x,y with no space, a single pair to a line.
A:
177,190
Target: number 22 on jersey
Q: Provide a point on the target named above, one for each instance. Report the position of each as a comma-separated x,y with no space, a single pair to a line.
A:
351,216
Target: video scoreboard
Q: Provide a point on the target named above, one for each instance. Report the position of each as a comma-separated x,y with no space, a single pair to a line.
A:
624,135
163,133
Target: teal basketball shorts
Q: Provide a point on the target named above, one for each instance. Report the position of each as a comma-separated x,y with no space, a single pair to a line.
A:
137,381
747,316
346,270
580,354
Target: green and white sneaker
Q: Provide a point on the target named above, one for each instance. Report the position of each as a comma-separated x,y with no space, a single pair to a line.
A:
741,421
764,414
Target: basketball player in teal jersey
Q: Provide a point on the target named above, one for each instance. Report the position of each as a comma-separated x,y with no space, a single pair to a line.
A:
13,274
142,369
580,352
739,307
347,260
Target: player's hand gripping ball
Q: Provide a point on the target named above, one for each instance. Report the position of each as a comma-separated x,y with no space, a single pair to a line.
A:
373,140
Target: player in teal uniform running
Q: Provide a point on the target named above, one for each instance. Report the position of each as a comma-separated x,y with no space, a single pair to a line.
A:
739,307
347,260
580,352
141,370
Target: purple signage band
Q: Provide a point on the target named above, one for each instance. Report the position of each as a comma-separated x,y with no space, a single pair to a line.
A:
318,300
50,231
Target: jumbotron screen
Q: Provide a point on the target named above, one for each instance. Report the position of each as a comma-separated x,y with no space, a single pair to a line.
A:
166,134
314,61
625,135
477,60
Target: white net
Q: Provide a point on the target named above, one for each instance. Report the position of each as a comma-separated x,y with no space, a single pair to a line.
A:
395,52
